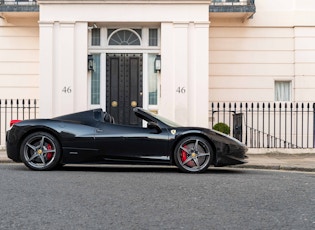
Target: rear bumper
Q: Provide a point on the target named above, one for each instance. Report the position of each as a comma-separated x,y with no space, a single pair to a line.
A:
12,148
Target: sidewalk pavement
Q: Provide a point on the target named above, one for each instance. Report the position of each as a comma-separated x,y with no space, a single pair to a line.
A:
275,161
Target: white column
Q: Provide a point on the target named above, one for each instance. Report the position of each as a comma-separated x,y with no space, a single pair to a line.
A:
199,100
80,90
46,69
63,74
167,100
64,69
184,75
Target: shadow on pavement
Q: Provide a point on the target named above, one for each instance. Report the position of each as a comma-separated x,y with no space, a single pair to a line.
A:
143,169
126,169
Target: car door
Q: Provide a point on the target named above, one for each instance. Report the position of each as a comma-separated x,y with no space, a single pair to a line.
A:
132,143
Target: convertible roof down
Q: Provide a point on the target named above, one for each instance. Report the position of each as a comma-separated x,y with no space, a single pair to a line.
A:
85,117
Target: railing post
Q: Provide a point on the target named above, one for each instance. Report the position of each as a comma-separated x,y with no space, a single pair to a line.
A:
313,125
218,107
263,125
23,108
280,114
302,133
29,108
224,112
307,125
269,140
285,124
246,124
35,105
297,125
274,125
17,108
0,120
212,113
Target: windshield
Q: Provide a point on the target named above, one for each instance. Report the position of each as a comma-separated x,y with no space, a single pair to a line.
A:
164,120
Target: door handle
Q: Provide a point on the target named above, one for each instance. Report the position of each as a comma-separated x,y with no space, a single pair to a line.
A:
99,130
134,104
114,103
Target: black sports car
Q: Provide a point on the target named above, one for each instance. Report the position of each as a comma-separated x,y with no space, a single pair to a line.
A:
93,137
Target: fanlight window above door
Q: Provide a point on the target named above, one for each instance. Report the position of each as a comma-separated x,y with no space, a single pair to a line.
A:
124,37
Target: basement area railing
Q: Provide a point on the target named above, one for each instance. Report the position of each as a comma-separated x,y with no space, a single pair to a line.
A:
18,109
268,125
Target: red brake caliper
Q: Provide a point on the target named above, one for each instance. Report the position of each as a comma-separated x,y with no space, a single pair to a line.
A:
49,155
184,158
184,154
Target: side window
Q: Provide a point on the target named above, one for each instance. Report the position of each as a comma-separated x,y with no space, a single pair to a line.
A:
153,81
153,37
96,37
283,90
95,81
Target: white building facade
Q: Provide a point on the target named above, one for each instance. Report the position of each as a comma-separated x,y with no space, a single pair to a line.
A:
171,57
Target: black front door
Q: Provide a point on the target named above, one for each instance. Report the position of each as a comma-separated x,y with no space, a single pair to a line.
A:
124,87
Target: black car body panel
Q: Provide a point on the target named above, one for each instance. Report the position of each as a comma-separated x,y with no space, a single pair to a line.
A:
92,136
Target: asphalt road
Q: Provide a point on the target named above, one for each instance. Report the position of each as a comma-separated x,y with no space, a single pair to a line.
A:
108,197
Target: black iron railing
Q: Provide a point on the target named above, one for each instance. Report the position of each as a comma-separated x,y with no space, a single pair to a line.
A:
18,6
268,125
246,8
19,109
18,2
233,2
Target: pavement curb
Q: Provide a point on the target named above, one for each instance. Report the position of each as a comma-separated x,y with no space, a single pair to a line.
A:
274,167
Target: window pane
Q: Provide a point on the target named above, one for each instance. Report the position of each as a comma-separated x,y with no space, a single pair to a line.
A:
153,81
96,37
124,38
95,81
282,90
153,37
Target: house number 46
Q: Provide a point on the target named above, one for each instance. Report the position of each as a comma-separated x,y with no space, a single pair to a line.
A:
180,89
66,89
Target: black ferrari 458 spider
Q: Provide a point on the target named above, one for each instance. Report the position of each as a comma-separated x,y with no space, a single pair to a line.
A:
93,137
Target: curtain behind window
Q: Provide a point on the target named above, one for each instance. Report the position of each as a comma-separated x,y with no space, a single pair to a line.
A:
283,91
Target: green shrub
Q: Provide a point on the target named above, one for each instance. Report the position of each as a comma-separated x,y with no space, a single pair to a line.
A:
221,127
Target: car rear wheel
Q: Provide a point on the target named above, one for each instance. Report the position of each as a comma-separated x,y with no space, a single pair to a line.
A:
193,154
40,151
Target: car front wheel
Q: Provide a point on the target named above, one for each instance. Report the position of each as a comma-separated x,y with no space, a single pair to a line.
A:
193,154
40,151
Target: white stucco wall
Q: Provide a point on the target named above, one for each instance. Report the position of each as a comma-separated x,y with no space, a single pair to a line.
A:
19,57
277,44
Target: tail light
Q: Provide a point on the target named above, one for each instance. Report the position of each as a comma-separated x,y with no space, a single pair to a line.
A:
12,122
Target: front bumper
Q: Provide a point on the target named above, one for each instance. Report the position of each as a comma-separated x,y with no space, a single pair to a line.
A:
231,155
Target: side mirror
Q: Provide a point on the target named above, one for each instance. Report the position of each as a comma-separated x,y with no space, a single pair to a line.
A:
154,125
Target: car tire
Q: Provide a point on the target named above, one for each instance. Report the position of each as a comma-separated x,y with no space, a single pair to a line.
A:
193,154
40,151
